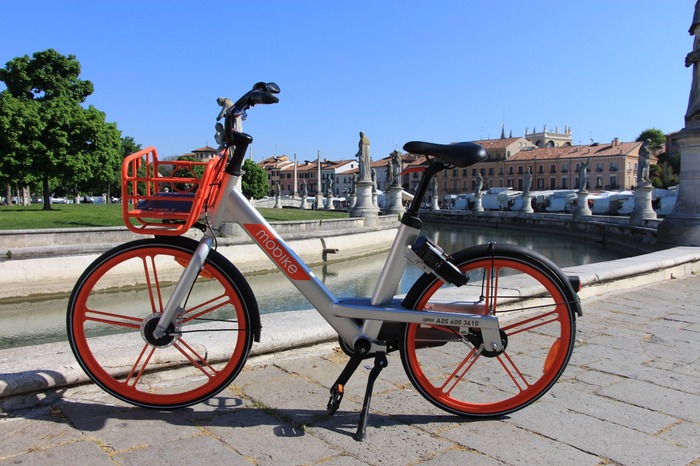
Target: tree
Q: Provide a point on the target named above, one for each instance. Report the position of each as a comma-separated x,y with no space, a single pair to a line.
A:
657,138
666,171
46,133
254,182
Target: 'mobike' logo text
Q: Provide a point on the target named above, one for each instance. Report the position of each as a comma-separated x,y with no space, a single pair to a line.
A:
278,254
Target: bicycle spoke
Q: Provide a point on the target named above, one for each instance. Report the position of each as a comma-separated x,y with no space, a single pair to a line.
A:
532,323
511,369
198,361
459,373
110,318
139,365
151,276
207,307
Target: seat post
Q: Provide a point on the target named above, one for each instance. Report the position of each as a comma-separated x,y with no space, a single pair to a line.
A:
430,171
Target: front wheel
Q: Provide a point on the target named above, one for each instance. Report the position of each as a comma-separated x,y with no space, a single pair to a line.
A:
536,308
116,304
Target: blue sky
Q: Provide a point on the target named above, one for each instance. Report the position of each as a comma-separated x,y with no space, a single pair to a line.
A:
440,71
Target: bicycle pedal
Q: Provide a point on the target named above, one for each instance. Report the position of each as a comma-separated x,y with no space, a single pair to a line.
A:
335,399
431,258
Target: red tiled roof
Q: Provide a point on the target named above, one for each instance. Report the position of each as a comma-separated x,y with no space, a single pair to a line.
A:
490,144
570,152
205,149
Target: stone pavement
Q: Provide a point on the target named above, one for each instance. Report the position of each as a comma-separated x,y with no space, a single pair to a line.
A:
629,396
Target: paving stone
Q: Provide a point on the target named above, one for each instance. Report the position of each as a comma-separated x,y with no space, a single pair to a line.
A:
488,438
125,428
269,440
653,397
85,452
598,437
36,429
198,450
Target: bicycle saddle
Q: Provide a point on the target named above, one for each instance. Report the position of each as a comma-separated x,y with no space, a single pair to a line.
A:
460,154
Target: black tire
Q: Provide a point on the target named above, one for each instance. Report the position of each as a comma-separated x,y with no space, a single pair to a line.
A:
201,358
537,311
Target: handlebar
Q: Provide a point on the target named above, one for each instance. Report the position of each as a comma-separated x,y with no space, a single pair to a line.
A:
262,93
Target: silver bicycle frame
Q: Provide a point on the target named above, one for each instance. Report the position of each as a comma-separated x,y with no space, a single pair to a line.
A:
341,314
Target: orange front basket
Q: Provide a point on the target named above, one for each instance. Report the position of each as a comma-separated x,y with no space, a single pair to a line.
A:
167,198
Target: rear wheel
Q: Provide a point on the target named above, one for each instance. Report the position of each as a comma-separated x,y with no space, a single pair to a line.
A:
536,311
115,307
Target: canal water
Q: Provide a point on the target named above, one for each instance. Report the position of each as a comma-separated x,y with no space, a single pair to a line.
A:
41,321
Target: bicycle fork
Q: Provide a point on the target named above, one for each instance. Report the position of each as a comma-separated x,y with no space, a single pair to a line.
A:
182,289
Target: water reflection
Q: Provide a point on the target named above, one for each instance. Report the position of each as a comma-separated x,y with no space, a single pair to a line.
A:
39,321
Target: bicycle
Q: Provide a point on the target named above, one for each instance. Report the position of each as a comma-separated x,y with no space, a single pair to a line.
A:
482,333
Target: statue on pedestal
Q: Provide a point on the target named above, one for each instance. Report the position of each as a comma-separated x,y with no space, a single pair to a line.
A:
395,168
225,104
692,115
582,175
528,181
643,164
479,185
363,157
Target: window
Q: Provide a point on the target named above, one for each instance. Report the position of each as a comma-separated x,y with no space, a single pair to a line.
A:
613,167
510,170
552,168
564,183
520,170
540,169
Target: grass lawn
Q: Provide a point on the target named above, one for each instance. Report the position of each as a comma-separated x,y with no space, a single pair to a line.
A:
106,215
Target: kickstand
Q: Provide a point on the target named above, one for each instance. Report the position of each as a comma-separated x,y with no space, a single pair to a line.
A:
338,388
380,363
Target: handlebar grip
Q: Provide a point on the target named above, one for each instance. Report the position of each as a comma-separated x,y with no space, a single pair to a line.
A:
262,97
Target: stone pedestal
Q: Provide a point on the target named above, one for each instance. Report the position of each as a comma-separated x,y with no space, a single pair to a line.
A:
478,207
278,202
682,226
642,204
353,200
364,207
329,202
434,205
394,201
304,203
319,201
527,204
582,209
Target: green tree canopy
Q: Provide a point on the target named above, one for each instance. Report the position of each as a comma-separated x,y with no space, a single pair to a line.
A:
46,134
254,183
656,136
666,171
